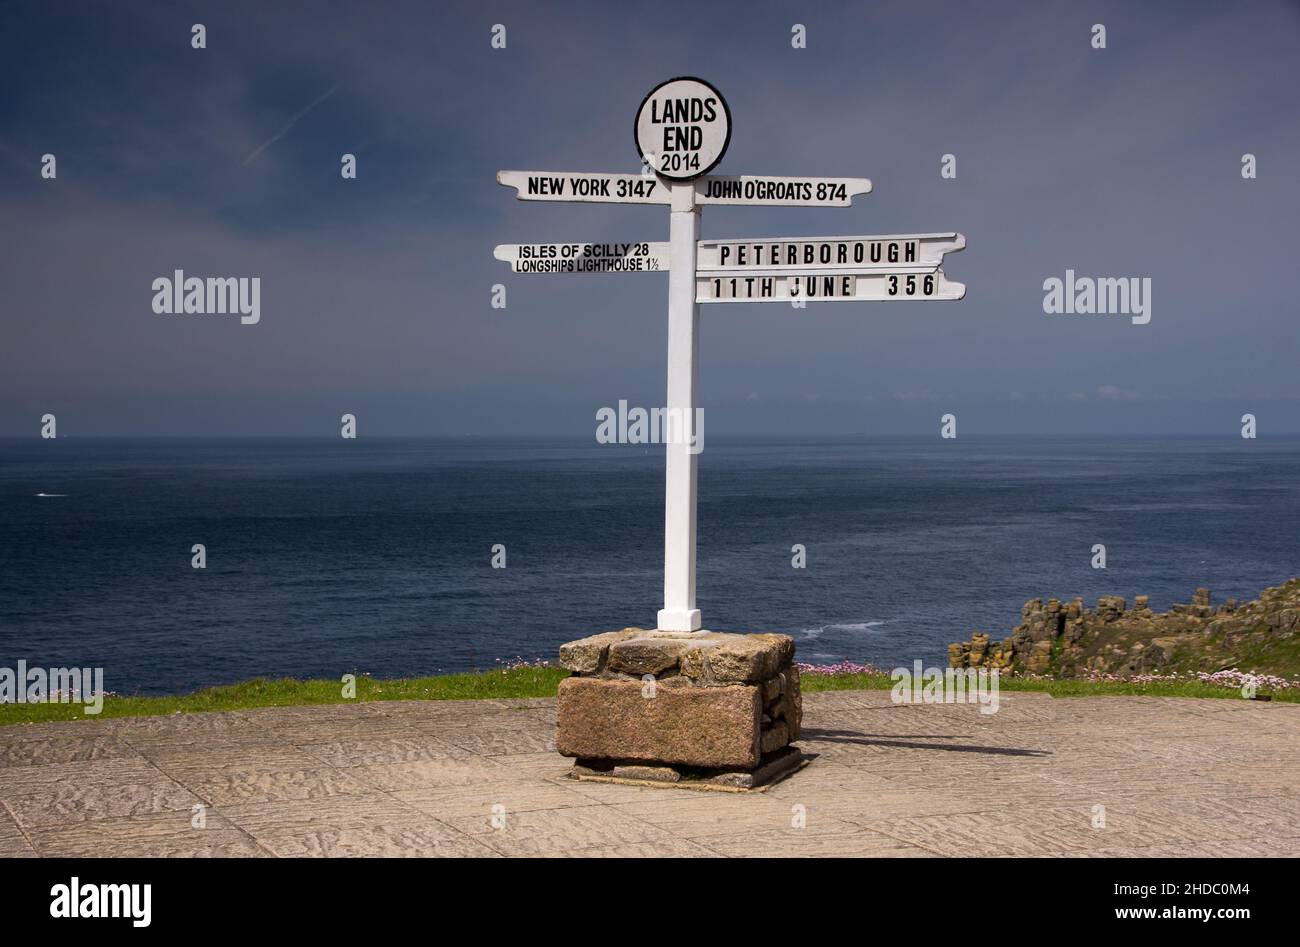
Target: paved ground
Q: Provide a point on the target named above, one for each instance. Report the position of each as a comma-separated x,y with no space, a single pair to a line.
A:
1181,777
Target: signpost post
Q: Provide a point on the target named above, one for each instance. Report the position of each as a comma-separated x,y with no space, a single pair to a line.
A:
681,466
682,130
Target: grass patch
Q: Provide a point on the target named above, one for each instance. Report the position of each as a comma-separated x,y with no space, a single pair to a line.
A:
811,683
534,682
288,692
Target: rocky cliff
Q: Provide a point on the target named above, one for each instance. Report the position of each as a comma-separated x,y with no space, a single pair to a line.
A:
1070,640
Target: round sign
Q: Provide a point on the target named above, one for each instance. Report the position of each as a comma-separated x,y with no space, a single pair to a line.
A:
683,128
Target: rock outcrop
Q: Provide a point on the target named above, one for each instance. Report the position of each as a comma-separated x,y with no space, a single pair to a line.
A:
1066,639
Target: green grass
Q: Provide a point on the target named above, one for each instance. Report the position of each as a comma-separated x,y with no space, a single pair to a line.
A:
288,692
523,682
811,683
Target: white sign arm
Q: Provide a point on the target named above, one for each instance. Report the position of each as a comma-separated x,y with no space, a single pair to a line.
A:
769,191
595,187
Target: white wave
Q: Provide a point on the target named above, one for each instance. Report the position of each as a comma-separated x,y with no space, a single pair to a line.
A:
814,633
856,626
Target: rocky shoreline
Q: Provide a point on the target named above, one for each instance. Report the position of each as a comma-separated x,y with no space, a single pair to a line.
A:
1069,640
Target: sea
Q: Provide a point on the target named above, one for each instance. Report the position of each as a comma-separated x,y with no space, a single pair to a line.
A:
375,556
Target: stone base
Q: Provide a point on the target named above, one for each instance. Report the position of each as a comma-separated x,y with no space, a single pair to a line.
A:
678,700
771,770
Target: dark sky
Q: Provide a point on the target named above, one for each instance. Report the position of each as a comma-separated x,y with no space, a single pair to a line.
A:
376,292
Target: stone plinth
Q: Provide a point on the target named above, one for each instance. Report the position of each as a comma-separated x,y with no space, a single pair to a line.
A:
673,706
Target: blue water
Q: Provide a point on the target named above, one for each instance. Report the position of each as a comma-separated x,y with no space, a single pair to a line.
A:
373,556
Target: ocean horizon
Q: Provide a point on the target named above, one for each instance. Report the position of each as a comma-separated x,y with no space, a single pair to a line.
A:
374,556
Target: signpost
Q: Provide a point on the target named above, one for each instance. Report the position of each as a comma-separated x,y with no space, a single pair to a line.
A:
682,130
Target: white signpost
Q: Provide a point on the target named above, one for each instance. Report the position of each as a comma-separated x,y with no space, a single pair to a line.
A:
682,131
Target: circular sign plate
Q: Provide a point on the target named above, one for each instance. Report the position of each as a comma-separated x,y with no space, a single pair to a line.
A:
683,128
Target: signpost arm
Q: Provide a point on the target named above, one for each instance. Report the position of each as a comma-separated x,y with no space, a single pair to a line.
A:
679,612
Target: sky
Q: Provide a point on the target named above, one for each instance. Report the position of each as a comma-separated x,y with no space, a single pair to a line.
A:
376,293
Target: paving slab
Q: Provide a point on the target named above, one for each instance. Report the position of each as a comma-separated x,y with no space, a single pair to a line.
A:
1095,777
171,834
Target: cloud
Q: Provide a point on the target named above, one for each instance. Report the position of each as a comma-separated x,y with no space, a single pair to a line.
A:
1115,393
